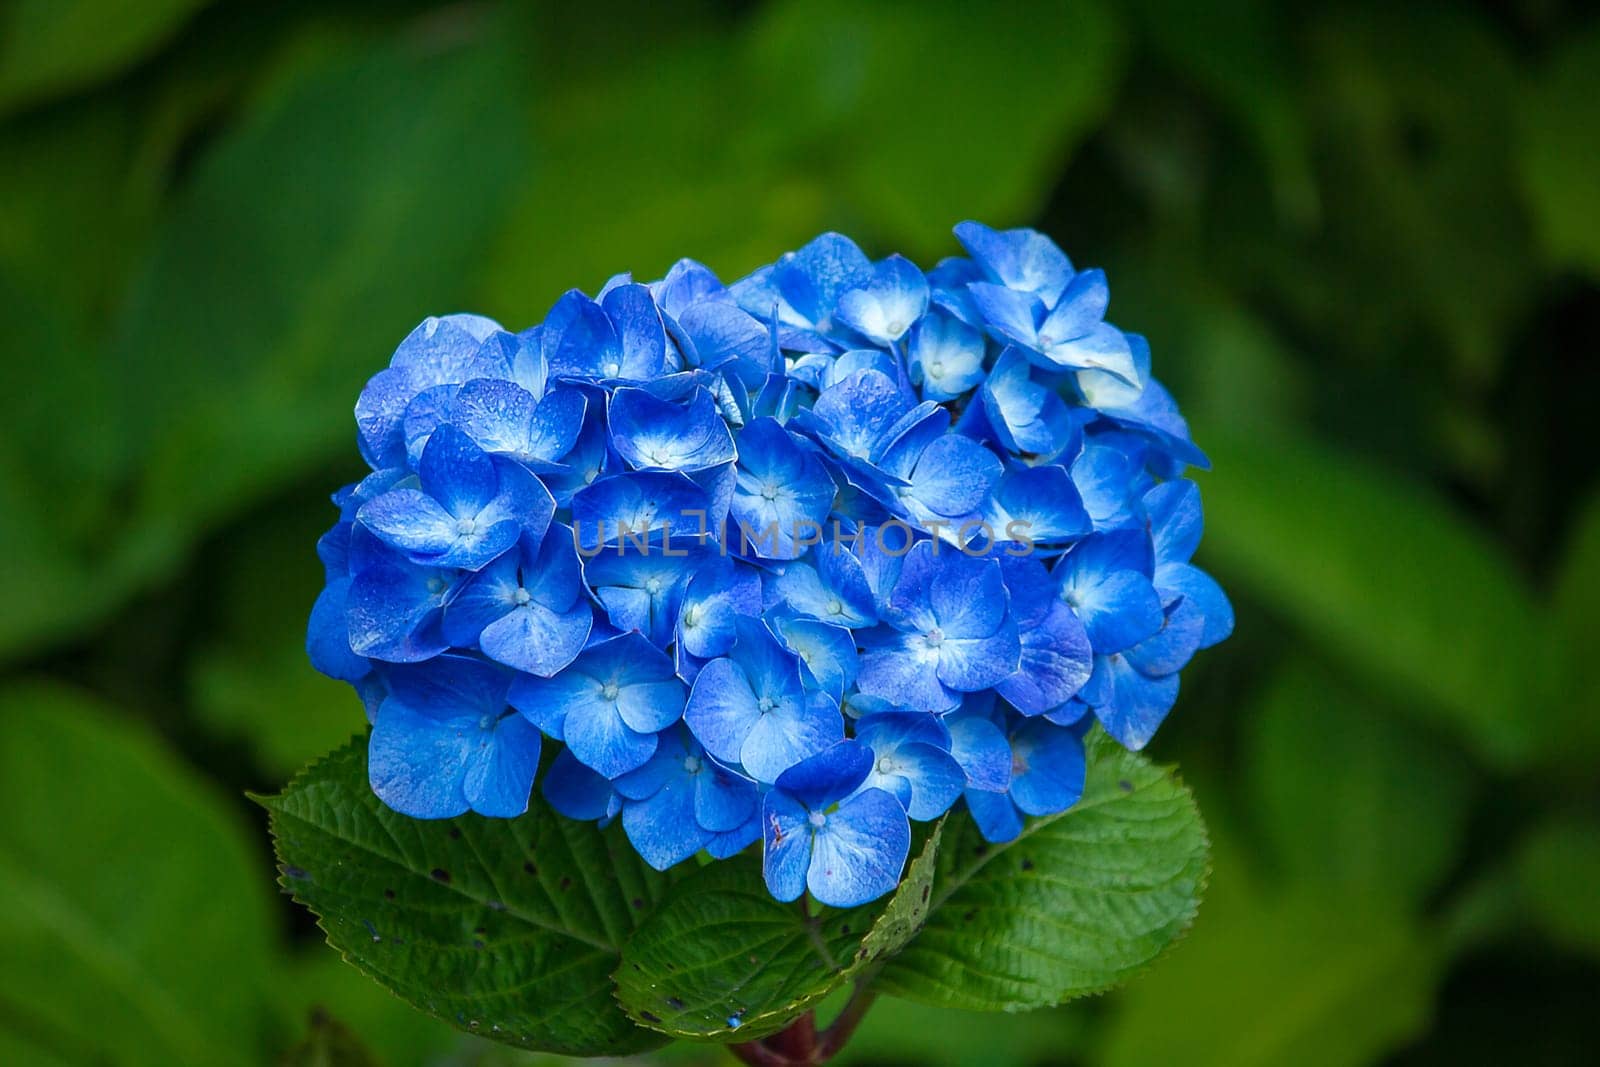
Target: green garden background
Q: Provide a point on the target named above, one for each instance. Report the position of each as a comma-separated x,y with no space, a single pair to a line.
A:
1363,239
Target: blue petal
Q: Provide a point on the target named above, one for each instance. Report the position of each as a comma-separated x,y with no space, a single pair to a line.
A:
1051,768
598,737
983,753
721,709
782,494
578,339
416,762
723,334
413,522
1037,506
827,777
858,854
1155,415
653,434
732,842
968,664
1107,481
500,770
616,506
853,414
685,285
946,356
1056,662
997,817
1175,520
885,308
576,791
1137,705
535,639
457,473
827,652
1022,259
784,736
715,596
1026,417
901,669
1081,307
642,337
328,635
834,590
1169,650
723,801
393,611
812,279
662,828
967,595
1200,590
1012,315
786,846
1119,609
953,476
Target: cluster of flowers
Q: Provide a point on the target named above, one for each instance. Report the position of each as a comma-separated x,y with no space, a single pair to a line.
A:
797,559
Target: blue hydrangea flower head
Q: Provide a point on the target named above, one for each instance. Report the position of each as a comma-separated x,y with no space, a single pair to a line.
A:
802,559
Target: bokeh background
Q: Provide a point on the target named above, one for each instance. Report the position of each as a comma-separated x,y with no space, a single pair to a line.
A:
1364,240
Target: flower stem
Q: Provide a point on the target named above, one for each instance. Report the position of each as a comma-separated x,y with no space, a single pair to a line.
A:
800,1044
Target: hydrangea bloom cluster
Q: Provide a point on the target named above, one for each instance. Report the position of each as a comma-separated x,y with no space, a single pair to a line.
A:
797,560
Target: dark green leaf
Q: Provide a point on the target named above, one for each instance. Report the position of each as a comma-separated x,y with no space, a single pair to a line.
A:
249,675
1301,978
1353,797
1385,577
329,1044
1011,91
1239,53
135,929
310,240
316,980
1575,715
1077,904
722,959
508,928
51,46
1558,870
1560,168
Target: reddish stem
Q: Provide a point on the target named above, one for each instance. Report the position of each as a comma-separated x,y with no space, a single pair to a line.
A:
800,1045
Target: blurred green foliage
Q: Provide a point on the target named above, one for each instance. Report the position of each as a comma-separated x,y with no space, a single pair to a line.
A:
1364,240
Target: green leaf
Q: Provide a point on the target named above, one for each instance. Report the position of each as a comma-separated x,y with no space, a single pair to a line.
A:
1078,903
249,676
1304,978
721,956
1419,192
329,1044
1557,870
136,925
850,79
1575,717
1354,798
1560,170
507,928
342,209
52,46
1384,576
901,1031
1239,53
315,981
